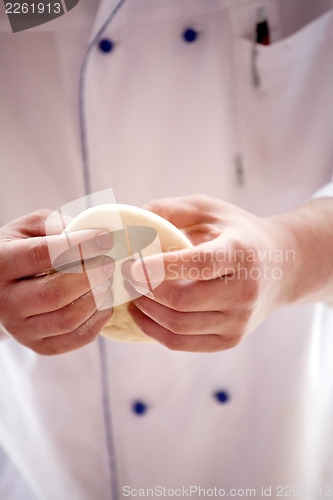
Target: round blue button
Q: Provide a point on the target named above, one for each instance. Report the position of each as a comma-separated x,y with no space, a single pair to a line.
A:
139,408
190,35
221,396
106,45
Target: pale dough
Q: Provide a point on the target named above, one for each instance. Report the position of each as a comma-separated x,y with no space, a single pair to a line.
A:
115,217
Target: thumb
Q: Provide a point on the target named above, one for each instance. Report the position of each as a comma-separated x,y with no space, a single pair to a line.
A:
22,258
206,261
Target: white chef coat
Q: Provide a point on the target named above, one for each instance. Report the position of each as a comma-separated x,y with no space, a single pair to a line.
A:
161,116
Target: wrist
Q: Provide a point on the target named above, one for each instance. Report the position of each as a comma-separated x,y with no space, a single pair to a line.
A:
308,230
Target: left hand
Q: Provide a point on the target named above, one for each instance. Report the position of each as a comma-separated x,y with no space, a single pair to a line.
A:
53,310
240,269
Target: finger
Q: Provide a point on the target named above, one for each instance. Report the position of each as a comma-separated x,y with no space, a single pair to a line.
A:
91,247
44,222
221,294
81,336
68,318
184,211
27,257
209,260
185,323
51,292
33,224
176,342
134,289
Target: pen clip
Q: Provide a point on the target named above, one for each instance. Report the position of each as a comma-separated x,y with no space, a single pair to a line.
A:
262,37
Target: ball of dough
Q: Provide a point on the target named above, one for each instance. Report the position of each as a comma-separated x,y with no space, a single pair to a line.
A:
129,243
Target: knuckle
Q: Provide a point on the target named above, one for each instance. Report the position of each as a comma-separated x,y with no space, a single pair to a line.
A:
204,207
69,320
44,348
39,254
248,293
176,323
50,295
153,205
251,293
199,204
174,342
37,217
200,199
231,341
13,324
238,248
176,298
159,206
38,349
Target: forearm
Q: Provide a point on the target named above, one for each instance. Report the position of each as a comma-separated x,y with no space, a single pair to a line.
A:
309,229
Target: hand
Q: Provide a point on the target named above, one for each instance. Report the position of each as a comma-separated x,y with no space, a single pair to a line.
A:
49,311
241,268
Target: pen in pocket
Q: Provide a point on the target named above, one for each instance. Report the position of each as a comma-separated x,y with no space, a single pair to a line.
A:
262,37
262,28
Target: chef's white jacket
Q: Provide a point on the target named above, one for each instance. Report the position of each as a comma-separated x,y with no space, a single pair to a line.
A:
158,115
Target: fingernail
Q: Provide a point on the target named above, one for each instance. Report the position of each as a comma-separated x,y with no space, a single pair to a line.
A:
145,292
154,270
104,240
138,272
108,303
142,290
109,267
126,269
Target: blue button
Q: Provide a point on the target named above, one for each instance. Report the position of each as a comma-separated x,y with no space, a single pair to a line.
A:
139,408
222,396
190,35
106,45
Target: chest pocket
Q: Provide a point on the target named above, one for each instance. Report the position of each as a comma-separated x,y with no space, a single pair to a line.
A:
285,122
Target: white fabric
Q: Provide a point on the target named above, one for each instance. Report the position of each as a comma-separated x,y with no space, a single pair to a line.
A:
168,118
325,192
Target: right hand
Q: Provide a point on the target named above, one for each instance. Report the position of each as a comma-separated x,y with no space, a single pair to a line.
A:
55,312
